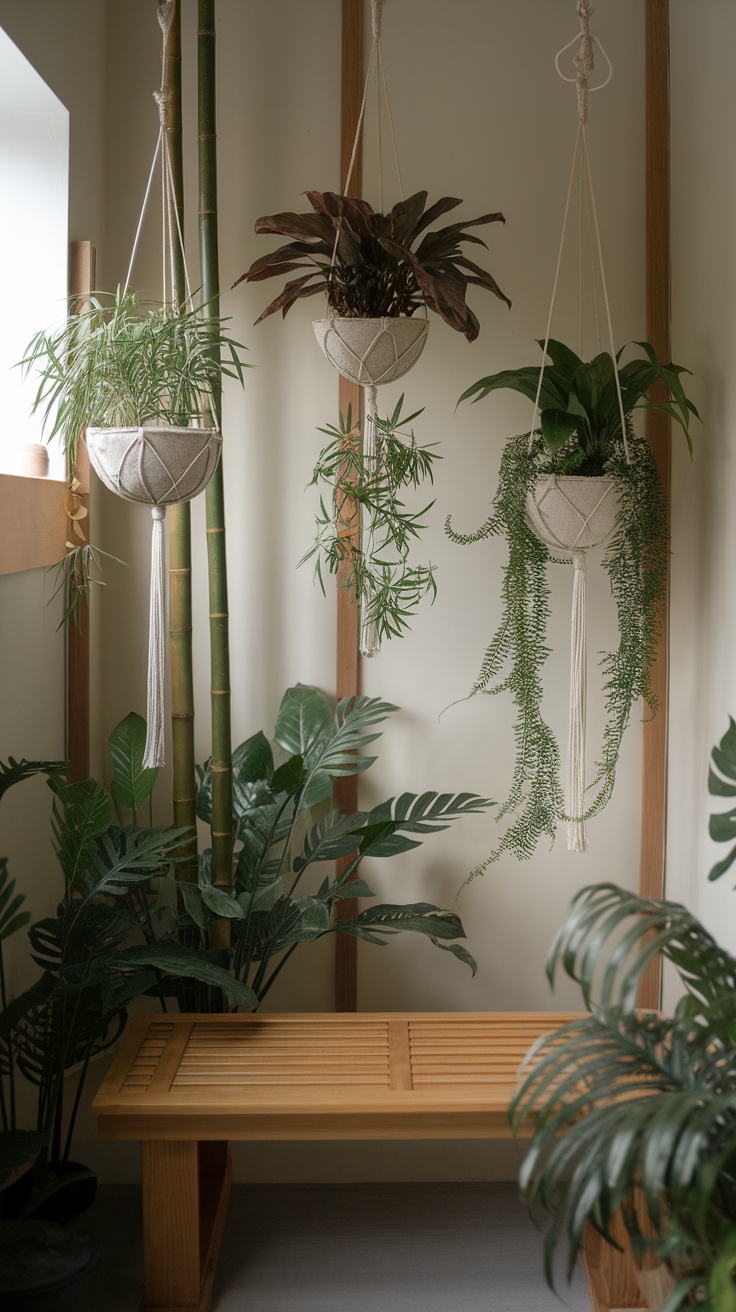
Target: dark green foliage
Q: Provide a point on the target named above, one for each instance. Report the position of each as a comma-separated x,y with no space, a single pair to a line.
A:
378,270
631,1106
386,584
580,401
722,783
636,564
285,830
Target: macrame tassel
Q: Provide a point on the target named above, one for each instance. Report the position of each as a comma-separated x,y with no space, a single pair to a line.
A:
154,753
577,837
370,643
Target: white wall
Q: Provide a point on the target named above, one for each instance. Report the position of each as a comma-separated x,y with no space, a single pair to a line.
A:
703,523
481,114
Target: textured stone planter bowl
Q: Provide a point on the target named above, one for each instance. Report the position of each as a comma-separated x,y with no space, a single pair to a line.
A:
372,351
569,513
159,465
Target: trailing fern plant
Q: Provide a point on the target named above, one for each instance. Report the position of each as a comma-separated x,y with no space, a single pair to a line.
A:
580,408
385,584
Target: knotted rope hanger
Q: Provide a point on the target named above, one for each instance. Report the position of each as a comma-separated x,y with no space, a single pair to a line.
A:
584,63
172,236
369,640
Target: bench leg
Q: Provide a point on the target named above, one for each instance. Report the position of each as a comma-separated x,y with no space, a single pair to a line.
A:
186,1190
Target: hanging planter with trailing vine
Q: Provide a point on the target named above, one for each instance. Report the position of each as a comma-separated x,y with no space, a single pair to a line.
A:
377,270
580,479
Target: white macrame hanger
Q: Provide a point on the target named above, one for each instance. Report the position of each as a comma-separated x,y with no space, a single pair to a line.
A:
577,837
154,754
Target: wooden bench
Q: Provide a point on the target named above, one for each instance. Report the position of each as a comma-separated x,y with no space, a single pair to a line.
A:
186,1085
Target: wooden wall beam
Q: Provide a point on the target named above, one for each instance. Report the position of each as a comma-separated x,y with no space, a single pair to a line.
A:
347,681
81,282
654,781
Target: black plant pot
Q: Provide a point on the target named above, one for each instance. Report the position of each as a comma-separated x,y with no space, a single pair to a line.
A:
65,1203
44,1267
68,1200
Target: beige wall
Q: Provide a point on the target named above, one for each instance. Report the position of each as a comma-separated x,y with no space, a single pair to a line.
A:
481,114
703,522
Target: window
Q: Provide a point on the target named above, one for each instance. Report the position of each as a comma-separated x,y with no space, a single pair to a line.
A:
34,187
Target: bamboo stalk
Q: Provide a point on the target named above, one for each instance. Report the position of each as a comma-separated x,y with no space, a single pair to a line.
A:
222,808
180,530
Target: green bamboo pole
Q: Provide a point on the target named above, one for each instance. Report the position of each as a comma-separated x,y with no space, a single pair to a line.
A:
180,528
222,809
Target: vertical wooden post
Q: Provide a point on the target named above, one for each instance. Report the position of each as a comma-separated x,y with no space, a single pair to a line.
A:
347,681
81,282
654,783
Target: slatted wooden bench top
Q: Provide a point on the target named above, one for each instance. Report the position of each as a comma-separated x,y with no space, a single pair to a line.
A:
185,1085
312,1076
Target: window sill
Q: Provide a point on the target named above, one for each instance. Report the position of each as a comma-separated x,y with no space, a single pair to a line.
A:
33,522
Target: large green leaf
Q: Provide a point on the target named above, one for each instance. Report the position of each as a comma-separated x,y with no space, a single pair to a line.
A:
414,813
378,923
553,394
11,916
557,427
132,783
82,811
253,760
186,963
293,920
14,772
122,857
722,783
304,720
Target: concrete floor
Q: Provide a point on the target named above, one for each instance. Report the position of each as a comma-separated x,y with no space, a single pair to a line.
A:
350,1248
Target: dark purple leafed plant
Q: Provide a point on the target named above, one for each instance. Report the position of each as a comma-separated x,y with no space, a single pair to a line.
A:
376,273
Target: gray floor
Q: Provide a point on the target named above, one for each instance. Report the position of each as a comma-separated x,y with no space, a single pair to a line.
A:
351,1248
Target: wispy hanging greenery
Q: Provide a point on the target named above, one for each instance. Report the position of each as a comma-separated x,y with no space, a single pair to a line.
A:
636,564
386,585
75,576
121,363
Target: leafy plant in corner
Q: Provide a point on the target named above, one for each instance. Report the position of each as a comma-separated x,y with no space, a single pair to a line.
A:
111,940
288,831
369,265
385,584
581,435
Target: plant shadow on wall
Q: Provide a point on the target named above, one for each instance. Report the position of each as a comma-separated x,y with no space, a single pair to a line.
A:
376,272
635,1114
563,487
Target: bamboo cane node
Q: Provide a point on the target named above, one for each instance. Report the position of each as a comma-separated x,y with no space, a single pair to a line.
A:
227,833
183,569
222,528
221,769
182,801
182,715
180,628
219,614
219,692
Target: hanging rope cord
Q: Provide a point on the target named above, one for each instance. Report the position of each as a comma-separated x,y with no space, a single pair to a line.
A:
369,641
584,63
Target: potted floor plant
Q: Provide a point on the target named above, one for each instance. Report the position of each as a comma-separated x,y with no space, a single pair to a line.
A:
635,1112
581,478
376,271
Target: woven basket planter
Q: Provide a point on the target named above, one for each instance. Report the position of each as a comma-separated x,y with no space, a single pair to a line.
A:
156,464
372,351
569,513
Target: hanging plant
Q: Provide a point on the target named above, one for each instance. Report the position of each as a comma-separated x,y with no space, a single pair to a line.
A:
369,266
136,381
386,585
581,480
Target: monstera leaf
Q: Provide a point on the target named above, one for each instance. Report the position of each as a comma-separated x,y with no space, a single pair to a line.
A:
722,783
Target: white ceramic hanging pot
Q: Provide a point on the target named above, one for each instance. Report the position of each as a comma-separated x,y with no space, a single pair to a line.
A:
572,513
157,464
372,351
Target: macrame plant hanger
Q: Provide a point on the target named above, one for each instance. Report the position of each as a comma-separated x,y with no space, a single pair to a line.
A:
157,464
575,515
372,351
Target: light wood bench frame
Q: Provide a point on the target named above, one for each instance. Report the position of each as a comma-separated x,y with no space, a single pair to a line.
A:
185,1085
